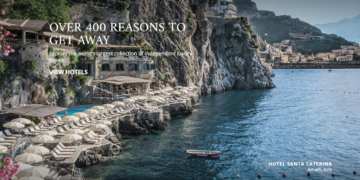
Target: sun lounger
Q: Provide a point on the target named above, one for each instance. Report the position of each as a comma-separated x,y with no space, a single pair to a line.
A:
66,147
2,135
37,128
66,127
8,133
57,151
96,135
6,141
63,149
56,120
86,139
72,125
28,133
57,157
93,137
78,124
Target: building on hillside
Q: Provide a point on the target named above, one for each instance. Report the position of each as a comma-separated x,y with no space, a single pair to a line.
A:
226,8
344,58
348,47
319,37
326,56
301,36
32,32
356,44
284,59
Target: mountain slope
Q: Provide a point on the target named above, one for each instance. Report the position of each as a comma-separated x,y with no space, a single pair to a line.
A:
274,29
347,28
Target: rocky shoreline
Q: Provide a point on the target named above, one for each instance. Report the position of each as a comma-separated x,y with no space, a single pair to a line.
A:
139,123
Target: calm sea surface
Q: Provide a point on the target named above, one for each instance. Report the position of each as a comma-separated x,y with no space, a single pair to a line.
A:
305,114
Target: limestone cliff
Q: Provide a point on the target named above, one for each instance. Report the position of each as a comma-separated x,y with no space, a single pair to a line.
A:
218,62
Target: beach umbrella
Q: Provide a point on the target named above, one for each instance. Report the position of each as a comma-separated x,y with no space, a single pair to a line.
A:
184,91
35,171
71,137
175,93
118,103
23,166
3,149
74,131
70,119
80,115
21,120
43,138
50,133
91,112
108,106
28,158
150,93
104,122
99,108
97,127
39,150
31,178
14,125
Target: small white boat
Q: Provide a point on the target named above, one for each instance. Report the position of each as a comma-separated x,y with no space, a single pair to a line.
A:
203,153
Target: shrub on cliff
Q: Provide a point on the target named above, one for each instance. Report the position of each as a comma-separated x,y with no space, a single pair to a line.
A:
74,59
30,65
50,89
69,91
3,66
82,78
88,47
122,6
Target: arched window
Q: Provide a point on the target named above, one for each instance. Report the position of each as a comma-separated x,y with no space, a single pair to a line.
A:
133,67
105,67
119,67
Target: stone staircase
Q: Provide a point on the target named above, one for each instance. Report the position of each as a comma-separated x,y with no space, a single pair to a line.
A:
114,140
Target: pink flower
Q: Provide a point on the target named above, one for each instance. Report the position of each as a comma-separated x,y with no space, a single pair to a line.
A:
8,47
1,27
8,160
3,12
0,46
12,50
14,35
6,53
1,36
7,33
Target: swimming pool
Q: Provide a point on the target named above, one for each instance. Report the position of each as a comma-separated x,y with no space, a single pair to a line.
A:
76,109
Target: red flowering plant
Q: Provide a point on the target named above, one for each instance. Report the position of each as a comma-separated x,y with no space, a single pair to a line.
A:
4,46
7,169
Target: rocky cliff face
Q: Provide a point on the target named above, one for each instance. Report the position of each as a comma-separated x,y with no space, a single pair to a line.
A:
215,65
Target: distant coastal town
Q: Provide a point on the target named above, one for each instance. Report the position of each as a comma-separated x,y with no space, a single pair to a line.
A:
282,52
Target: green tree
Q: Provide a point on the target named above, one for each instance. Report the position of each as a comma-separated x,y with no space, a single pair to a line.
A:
50,10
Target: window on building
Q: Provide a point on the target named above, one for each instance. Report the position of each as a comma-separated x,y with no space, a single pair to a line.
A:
148,66
105,67
133,67
119,67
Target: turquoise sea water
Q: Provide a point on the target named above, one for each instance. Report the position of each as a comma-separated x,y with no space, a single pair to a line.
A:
75,109
308,113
